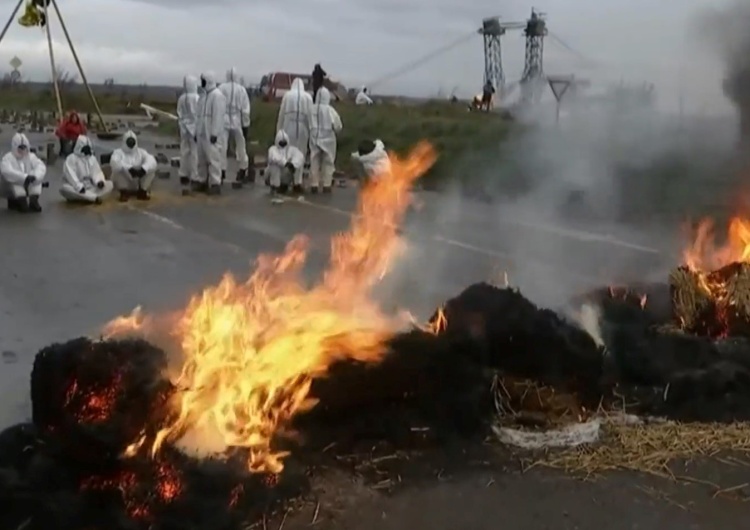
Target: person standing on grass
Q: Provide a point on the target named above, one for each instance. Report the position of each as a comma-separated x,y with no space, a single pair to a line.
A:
318,80
68,132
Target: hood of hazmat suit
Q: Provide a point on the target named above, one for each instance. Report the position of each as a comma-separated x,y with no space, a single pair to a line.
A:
294,115
187,106
81,169
325,122
19,163
127,157
212,107
281,156
238,102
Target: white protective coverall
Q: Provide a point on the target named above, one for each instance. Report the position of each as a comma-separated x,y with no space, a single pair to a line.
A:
294,115
286,159
126,158
209,131
16,166
324,124
187,110
375,163
83,179
363,98
237,119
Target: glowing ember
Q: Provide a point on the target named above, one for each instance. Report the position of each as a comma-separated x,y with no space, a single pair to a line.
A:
95,405
252,349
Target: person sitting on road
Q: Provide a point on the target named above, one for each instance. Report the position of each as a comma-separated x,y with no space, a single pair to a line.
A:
373,159
133,169
22,175
83,179
68,132
285,163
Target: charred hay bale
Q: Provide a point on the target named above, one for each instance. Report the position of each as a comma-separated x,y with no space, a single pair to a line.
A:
426,383
91,399
714,304
638,304
653,357
718,393
514,335
18,444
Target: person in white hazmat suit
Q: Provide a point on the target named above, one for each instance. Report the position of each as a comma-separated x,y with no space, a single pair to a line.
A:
133,169
325,122
294,119
285,163
187,109
373,159
83,179
21,176
237,125
212,107
363,98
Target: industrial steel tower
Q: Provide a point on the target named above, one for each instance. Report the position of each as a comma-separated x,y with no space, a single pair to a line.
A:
492,31
532,81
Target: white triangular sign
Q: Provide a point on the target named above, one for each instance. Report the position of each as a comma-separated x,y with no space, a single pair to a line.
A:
559,87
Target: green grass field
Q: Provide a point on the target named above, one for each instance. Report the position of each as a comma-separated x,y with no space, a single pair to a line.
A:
455,132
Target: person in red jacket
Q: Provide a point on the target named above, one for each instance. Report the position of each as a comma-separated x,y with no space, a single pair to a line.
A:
68,132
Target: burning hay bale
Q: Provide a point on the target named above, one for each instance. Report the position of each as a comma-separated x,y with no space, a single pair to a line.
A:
714,304
97,398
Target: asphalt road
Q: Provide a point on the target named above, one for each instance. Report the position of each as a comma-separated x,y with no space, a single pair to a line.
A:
67,271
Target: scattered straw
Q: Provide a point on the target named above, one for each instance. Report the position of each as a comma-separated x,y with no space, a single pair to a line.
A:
650,447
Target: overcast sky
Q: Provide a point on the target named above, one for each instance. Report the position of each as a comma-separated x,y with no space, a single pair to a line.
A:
358,41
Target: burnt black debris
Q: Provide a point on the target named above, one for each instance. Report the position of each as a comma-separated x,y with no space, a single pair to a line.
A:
438,388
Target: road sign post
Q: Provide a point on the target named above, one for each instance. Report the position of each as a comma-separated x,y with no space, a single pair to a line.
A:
559,86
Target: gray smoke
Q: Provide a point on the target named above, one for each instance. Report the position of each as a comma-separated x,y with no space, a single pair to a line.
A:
728,30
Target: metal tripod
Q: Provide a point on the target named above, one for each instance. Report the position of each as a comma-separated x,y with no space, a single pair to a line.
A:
55,79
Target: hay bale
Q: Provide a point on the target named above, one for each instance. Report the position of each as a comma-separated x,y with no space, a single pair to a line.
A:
714,304
92,400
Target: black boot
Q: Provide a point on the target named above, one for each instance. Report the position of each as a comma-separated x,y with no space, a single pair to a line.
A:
298,189
198,187
242,175
124,196
214,189
314,190
185,181
223,175
34,205
284,188
22,204
143,195
327,189
12,205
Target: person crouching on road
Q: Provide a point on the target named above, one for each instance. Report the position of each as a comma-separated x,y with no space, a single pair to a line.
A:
22,175
325,123
133,169
83,179
285,163
373,159
68,132
212,107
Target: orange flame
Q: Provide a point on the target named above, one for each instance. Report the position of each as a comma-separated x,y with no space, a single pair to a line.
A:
704,254
251,350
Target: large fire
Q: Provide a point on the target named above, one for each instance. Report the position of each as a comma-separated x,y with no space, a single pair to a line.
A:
705,254
252,349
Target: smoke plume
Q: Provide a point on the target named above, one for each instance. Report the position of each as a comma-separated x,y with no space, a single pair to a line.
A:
729,31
